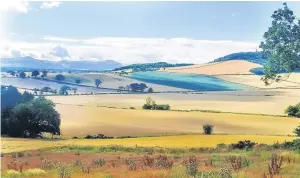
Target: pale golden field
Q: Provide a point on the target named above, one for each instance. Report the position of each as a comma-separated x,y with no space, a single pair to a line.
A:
83,120
218,68
182,141
271,102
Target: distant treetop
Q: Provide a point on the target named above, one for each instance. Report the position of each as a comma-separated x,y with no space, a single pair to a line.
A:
255,57
149,66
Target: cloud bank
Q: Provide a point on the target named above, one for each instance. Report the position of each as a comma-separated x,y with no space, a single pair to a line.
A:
128,50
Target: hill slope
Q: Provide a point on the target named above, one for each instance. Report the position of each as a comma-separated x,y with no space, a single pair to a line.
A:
255,57
218,68
32,63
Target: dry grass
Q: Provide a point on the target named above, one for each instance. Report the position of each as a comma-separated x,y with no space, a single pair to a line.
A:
227,67
88,119
182,141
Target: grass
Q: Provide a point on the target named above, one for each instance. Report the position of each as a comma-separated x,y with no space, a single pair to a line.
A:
10,145
124,122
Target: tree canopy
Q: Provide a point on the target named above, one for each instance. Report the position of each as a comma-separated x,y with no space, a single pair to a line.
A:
22,75
24,116
98,82
282,45
59,77
35,73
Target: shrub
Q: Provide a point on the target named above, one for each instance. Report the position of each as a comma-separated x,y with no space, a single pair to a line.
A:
150,90
147,106
64,171
162,107
132,107
163,162
99,136
191,166
131,164
275,164
293,110
297,131
208,129
99,162
247,144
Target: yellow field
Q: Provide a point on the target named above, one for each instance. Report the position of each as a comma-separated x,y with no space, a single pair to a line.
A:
218,68
183,141
83,120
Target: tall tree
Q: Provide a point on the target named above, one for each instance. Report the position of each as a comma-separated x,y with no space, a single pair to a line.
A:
281,45
64,90
59,77
35,73
22,75
44,74
98,82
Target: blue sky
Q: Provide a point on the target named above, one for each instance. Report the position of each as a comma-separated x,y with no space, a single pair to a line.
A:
132,32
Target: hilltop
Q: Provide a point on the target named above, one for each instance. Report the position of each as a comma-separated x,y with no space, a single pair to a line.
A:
149,66
255,57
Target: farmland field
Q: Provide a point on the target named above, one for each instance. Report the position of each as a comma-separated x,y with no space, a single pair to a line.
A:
181,141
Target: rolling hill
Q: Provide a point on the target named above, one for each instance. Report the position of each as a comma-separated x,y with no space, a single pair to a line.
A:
32,63
255,57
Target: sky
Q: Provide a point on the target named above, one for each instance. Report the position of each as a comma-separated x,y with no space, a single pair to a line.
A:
134,32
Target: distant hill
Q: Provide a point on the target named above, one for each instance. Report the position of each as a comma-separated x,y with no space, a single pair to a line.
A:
32,63
149,66
255,57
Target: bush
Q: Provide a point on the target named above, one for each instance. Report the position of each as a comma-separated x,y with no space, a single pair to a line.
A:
293,110
162,107
99,136
132,107
59,77
247,144
147,106
191,166
297,131
208,129
150,90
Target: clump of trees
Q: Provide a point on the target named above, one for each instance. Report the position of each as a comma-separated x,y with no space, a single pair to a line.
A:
22,75
35,73
22,115
136,87
293,110
208,129
44,74
64,90
59,77
151,105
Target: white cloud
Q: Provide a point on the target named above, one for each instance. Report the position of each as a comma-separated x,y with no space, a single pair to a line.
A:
14,5
50,4
133,50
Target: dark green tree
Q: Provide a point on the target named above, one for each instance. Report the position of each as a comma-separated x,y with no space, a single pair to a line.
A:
33,118
44,74
22,75
59,77
35,73
297,131
281,45
64,90
98,82
78,81
208,129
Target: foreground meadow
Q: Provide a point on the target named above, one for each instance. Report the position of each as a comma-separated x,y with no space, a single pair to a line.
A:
91,159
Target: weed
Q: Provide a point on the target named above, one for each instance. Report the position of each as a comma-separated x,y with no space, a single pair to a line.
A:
63,171
131,164
235,162
191,166
99,162
275,164
163,162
